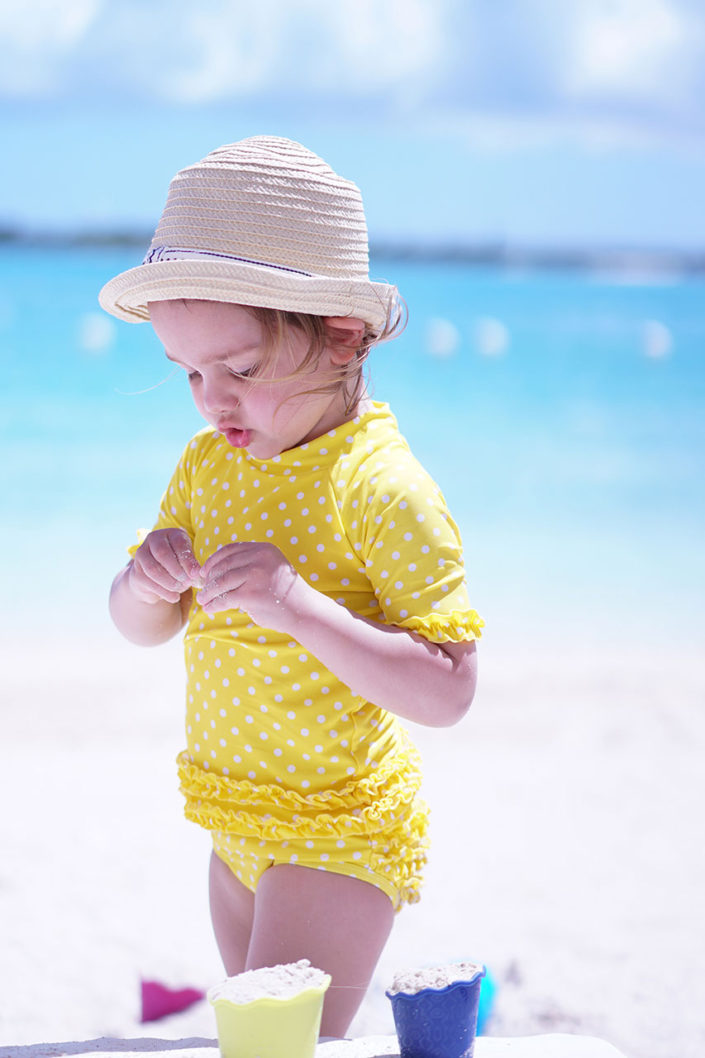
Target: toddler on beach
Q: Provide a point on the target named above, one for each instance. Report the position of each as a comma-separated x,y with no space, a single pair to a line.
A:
308,555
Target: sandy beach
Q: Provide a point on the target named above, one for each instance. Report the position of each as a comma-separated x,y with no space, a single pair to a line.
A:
567,845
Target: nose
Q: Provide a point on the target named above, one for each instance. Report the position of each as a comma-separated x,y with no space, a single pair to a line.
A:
218,398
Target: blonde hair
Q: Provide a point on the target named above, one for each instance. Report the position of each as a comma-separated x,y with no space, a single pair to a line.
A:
321,334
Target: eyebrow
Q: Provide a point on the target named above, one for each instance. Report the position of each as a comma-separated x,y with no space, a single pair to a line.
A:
252,350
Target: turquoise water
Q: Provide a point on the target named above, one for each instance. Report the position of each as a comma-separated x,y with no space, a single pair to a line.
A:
562,414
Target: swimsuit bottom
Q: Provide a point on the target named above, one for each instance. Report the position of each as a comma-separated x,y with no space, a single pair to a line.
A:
356,857
373,828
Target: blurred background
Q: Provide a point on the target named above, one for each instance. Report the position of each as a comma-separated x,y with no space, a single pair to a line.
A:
533,175
533,179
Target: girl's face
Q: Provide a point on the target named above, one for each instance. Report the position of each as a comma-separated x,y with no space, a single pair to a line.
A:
219,345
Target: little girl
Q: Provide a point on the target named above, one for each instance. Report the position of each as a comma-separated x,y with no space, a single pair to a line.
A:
310,558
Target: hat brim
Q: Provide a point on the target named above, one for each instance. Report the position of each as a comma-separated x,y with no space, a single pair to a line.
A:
127,296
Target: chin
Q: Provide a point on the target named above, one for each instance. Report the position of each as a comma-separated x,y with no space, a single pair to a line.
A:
264,449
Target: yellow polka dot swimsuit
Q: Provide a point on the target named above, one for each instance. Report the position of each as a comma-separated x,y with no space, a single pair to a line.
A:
284,763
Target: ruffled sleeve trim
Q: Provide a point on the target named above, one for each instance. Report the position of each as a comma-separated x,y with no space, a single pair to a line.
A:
454,627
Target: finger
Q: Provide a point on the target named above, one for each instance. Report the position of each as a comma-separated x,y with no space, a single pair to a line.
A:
173,551
167,596
149,590
239,553
188,563
221,603
222,584
152,568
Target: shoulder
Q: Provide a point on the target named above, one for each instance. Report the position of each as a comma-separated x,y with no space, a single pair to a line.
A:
387,497
380,463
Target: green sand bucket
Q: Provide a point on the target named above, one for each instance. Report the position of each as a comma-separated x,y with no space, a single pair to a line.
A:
270,1027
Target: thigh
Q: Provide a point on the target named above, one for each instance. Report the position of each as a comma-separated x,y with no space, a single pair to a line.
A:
232,907
338,922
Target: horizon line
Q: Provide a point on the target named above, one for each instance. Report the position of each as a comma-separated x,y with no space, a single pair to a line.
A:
463,252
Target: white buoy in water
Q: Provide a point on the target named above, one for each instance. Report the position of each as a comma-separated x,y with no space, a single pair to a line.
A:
657,339
96,332
491,336
442,337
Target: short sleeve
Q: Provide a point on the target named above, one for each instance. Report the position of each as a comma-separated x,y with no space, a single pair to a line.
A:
175,507
412,550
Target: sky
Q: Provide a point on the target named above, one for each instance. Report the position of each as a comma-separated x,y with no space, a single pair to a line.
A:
539,123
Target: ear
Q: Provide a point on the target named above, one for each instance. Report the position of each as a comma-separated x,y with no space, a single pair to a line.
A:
345,334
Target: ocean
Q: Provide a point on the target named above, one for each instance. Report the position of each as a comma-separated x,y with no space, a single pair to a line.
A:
562,413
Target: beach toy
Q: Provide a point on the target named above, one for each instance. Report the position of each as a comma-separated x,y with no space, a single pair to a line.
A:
159,1000
488,990
435,1011
282,1025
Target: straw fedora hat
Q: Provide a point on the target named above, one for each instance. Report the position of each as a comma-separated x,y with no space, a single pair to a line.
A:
260,222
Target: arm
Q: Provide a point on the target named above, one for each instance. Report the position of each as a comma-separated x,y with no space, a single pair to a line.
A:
428,683
150,598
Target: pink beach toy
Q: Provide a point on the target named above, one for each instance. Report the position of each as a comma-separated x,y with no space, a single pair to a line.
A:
159,1000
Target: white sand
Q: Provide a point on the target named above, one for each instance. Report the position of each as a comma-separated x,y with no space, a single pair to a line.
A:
280,982
568,845
434,977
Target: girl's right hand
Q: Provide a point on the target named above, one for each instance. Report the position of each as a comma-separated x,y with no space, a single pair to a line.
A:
164,567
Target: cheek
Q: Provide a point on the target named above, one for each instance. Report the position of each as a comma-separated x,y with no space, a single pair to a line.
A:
275,402
196,395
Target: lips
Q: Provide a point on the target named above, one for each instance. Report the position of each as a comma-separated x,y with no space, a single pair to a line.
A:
235,437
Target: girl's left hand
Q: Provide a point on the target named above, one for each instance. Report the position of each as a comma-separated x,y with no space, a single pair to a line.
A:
250,576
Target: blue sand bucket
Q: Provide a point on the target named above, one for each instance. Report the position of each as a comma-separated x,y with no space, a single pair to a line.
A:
438,1022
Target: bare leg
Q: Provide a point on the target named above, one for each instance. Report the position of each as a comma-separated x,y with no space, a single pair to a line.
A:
340,923
232,913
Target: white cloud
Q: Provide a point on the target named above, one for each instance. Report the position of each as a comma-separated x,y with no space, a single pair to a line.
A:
352,47
600,131
634,49
597,70
384,42
36,37
233,51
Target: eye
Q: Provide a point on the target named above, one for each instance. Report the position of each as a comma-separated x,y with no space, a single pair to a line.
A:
247,373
